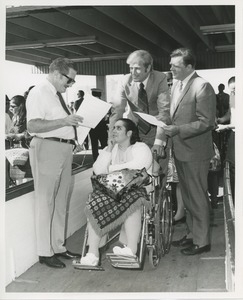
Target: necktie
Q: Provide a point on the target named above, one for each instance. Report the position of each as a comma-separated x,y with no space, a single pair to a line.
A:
181,86
68,112
176,97
143,126
142,99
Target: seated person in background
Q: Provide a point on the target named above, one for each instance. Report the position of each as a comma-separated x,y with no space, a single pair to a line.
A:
123,151
8,116
18,133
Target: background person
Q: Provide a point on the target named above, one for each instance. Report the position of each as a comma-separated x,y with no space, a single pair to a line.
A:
51,155
99,134
103,212
76,106
193,110
229,118
18,133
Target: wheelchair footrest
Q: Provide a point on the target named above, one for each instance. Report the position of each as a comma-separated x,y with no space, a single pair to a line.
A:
122,261
79,266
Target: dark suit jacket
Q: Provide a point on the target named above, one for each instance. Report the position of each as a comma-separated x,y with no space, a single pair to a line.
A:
158,99
195,116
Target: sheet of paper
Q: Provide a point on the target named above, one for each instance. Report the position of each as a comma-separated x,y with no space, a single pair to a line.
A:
150,119
82,132
92,110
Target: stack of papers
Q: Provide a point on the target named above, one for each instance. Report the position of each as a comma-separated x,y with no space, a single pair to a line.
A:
93,110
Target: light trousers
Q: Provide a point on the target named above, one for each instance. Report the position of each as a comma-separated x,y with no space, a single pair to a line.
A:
51,164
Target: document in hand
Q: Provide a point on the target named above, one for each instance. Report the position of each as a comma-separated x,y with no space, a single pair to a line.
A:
150,119
93,110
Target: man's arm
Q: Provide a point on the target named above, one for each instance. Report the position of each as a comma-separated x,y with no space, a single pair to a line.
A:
118,107
205,115
163,103
40,125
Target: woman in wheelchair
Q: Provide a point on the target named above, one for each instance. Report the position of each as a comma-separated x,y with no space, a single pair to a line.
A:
104,213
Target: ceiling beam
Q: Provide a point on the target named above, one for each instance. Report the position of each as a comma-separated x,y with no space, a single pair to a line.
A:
223,17
53,43
162,19
64,21
217,29
225,48
146,29
27,57
116,31
192,21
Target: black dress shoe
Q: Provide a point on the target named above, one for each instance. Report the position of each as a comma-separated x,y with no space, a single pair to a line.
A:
68,255
51,261
195,249
182,242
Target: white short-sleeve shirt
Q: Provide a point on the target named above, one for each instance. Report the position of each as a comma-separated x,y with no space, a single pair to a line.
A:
43,103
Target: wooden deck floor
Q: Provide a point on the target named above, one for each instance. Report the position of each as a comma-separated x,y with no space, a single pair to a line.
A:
176,273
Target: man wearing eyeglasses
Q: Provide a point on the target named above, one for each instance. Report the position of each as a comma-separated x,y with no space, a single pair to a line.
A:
53,129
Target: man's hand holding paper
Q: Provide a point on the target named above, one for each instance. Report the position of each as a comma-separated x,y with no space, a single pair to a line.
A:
151,119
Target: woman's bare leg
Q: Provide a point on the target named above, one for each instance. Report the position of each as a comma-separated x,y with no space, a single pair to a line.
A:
93,240
132,227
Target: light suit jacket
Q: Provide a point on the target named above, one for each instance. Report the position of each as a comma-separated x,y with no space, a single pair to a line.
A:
195,115
158,99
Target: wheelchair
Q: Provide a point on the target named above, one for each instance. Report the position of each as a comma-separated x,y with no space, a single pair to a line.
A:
156,232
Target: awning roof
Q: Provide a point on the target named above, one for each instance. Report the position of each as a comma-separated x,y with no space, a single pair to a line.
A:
93,34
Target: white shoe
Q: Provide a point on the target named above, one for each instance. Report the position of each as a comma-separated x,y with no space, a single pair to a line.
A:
123,251
89,260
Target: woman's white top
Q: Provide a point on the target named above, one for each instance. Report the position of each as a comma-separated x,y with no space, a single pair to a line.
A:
137,156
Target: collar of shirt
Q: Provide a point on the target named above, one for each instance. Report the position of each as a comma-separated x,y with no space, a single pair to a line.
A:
144,83
51,86
185,81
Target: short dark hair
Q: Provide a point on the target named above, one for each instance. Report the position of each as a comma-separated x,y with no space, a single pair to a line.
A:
62,65
232,79
130,125
81,92
187,55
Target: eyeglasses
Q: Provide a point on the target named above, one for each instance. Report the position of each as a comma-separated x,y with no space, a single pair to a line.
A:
70,80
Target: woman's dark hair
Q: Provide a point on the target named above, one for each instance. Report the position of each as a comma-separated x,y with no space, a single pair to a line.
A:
21,120
130,125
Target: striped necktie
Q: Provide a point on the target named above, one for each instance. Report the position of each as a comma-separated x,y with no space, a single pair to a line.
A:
143,99
68,112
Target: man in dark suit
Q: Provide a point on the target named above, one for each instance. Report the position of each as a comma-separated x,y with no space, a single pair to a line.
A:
78,102
155,87
99,134
193,110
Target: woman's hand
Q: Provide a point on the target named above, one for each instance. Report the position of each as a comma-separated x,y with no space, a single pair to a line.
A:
110,145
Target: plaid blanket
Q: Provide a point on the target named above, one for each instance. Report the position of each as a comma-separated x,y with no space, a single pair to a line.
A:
105,213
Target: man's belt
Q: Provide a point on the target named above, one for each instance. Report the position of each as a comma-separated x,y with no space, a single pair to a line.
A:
61,140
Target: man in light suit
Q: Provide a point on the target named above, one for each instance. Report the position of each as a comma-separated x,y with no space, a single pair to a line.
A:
193,110
155,84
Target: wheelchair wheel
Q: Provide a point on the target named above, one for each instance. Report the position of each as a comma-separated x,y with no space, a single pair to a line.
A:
166,219
154,257
155,247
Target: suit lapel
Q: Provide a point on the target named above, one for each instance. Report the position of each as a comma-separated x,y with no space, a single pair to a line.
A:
149,86
185,90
